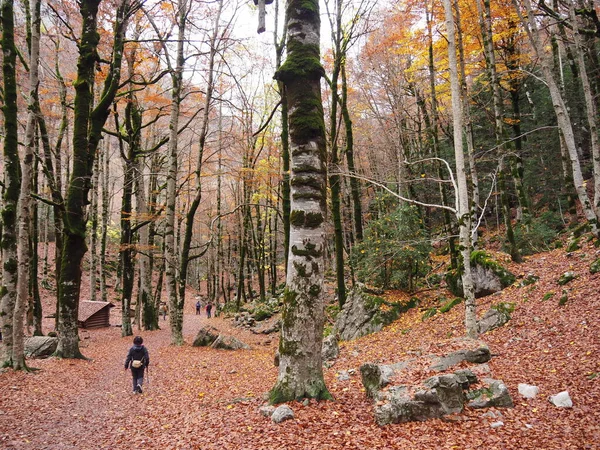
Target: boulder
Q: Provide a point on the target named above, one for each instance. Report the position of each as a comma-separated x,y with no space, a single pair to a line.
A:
566,277
377,376
363,314
229,343
40,346
496,394
489,276
281,413
266,410
495,317
478,353
528,391
595,266
466,378
441,395
206,336
330,349
561,400
448,390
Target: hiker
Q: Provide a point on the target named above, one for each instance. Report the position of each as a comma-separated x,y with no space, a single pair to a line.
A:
208,309
138,358
163,310
198,307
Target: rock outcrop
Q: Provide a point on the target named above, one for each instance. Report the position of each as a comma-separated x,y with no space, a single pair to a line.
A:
489,276
363,314
437,395
209,336
495,317
40,346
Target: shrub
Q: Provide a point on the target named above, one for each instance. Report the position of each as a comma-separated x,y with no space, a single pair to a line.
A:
394,252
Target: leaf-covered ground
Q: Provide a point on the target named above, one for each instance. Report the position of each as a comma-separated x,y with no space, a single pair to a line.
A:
199,398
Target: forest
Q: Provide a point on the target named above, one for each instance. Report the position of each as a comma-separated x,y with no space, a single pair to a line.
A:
373,173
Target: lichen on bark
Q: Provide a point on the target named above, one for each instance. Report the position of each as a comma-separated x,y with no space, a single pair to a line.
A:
300,364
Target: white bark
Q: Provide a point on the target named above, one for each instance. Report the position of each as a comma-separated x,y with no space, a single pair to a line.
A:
462,193
590,109
24,210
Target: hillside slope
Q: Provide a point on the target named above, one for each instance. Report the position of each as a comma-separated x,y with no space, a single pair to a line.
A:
199,398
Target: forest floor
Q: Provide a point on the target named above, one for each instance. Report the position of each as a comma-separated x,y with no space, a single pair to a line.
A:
200,398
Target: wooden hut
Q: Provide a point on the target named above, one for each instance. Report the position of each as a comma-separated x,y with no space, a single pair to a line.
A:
94,314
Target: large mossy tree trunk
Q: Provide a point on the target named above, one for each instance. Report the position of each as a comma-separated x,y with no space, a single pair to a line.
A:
300,364
12,182
87,132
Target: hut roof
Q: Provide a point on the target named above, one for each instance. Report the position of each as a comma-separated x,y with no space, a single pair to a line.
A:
87,309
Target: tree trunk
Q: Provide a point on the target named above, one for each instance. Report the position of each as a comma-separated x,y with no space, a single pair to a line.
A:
334,180
34,282
171,266
126,247
105,219
12,180
94,229
462,195
354,182
300,364
285,145
590,109
468,123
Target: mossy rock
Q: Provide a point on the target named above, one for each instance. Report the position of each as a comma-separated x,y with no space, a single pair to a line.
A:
573,245
450,304
564,298
482,266
428,314
504,307
567,277
529,280
580,229
595,267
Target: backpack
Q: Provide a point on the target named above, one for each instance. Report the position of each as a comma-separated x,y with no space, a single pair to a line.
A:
137,358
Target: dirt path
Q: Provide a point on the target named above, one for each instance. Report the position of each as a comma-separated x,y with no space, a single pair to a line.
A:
89,404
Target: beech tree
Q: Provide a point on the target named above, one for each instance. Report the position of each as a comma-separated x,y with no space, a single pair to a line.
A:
463,213
300,364
87,133
12,181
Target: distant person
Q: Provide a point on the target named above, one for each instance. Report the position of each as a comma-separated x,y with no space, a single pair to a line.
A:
198,307
138,359
208,309
163,310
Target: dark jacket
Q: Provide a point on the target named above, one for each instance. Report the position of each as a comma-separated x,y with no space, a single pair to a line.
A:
137,352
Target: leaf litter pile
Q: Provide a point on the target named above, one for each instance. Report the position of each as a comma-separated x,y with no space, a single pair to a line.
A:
201,398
